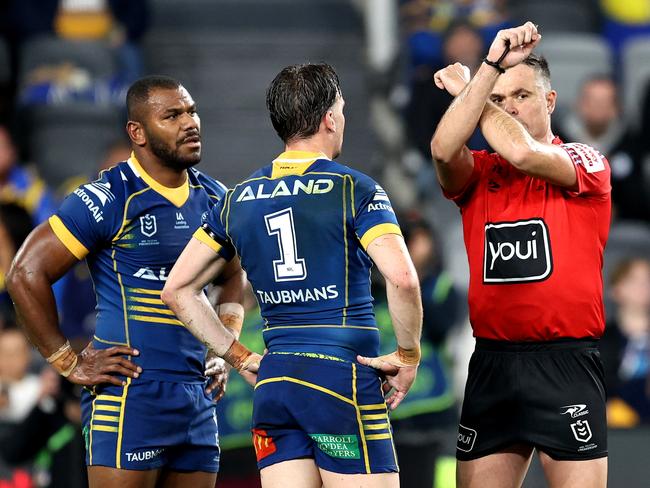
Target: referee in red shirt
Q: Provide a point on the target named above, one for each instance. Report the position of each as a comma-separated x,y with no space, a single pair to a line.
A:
535,216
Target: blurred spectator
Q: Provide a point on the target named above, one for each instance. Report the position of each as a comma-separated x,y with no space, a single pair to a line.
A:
425,423
462,43
50,437
15,225
625,346
20,185
19,390
426,21
597,121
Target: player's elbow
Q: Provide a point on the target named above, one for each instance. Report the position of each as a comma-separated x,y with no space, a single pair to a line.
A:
407,282
170,295
17,277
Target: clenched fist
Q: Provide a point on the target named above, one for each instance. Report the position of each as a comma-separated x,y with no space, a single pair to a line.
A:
453,78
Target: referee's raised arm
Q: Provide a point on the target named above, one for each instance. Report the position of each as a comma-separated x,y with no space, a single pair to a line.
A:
452,159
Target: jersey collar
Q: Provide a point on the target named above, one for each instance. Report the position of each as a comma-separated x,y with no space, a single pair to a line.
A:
294,163
178,196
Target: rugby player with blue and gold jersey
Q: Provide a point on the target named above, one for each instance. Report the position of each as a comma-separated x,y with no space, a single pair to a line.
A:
307,231
147,417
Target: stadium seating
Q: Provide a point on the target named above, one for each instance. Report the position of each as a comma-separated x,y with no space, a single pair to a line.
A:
556,15
71,140
636,74
95,57
572,59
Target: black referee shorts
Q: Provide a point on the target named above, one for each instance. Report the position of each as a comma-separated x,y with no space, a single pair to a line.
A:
550,395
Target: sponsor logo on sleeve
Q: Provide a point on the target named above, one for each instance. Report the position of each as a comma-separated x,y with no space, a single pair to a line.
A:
587,156
517,252
380,201
466,438
101,194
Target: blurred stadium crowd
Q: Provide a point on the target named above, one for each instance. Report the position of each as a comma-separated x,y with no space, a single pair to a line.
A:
65,66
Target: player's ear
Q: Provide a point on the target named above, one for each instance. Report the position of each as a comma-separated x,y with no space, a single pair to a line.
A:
328,120
136,132
551,97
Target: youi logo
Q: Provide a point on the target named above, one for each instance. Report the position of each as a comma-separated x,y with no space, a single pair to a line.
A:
517,252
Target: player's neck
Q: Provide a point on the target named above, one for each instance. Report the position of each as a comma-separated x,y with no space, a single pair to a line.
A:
166,176
310,145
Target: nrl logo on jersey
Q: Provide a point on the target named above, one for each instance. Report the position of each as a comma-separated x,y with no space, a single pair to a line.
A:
148,225
273,189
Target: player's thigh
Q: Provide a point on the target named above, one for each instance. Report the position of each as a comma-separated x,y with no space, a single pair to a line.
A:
177,479
296,472
591,473
105,477
503,469
377,480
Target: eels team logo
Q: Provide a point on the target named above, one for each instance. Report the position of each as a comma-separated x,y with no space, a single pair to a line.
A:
148,225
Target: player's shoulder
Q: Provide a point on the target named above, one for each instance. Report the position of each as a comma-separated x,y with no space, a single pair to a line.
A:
362,182
213,187
109,188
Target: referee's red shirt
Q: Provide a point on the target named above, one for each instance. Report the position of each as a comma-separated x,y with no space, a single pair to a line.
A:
535,250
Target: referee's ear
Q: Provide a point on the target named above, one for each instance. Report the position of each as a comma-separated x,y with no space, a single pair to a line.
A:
551,98
136,132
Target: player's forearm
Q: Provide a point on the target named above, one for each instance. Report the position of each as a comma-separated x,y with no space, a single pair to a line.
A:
230,307
462,116
405,307
31,293
193,309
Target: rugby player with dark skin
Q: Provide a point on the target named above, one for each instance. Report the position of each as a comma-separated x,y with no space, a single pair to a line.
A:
165,137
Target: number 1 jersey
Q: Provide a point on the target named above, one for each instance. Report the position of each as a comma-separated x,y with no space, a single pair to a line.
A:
301,227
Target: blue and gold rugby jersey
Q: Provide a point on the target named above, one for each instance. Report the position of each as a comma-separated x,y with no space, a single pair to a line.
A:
300,227
131,230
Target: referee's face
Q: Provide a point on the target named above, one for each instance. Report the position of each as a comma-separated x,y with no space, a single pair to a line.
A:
173,128
520,93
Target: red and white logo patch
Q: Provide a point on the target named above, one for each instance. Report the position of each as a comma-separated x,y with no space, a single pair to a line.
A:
591,159
263,444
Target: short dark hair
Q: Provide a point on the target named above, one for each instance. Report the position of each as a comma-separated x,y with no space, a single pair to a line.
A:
540,65
139,92
298,98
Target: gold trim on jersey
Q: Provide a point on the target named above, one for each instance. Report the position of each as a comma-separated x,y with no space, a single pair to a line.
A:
120,426
126,209
156,320
202,236
362,434
66,237
304,383
112,343
178,196
344,312
377,231
143,291
294,163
